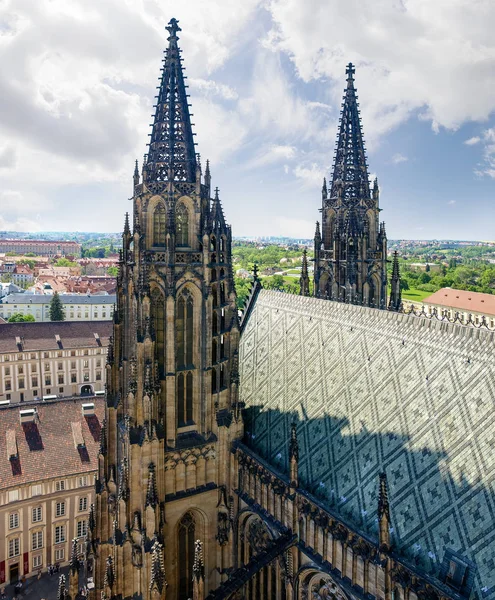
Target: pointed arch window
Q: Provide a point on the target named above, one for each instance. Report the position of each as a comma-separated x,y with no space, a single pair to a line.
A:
182,225
158,320
185,399
159,225
186,533
184,330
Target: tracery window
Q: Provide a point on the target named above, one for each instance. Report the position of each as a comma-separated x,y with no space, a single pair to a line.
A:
186,533
158,317
182,225
185,399
184,330
159,225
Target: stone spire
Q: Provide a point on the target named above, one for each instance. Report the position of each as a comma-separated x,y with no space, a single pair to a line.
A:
61,591
109,576
74,571
151,494
304,279
103,438
208,178
324,189
293,456
383,513
350,168
157,579
395,300
198,572
123,493
171,155
217,216
136,174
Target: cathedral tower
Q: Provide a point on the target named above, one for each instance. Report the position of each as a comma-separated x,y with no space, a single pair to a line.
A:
351,249
172,374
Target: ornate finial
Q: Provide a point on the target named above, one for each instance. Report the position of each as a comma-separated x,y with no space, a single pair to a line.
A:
136,170
317,231
304,279
349,71
198,565
157,566
123,493
324,189
74,560
127,229
395,301
216,193
91,518
207,170
109,578
173,28
255,272
384,512
61,592
293,444
151,493
103,438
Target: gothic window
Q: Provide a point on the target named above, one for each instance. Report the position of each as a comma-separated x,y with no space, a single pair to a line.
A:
184,331
182,225
186,556
215,296
215,323
213,243
222,293
185,399
159,225
158,317
214,356
213,381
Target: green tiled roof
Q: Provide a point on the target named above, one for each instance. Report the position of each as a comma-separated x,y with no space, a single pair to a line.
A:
377,391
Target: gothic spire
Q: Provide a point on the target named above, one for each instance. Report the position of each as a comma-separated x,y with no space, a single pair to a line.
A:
74,560
217,215
208,177
304,279
136,174
109,574
198,571
350,169
395,300
324,189
123,493
103,438
157,567
61,592
383,512
171,155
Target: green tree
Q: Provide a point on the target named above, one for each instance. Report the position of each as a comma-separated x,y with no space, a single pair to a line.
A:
113,271
65,262
20,318
403,284
56,310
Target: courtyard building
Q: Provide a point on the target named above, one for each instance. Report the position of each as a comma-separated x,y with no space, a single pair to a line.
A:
52,359
48,458
76,307
468,307
41,247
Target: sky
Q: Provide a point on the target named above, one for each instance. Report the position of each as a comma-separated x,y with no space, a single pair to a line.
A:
266,79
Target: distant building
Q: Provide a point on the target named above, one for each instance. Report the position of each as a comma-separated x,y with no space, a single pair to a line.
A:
60,359
41,247
22,275
433,267
76,307
449,302
48,462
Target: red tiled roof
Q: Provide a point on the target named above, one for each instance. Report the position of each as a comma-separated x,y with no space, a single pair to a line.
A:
41,336
46,448
463,300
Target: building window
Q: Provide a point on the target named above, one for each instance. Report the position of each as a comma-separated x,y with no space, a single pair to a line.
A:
48,380
73,364
34,368
184,329
47,366
48,391
86,352
182,225
13,520
73,378
13,495
59,534
98,362
186,555
37,561
34,381
60,485
98,375
7,371
73,353
36,540
14,547
81,528
83,504
60,509
59,354
60,380
20,369
36,490
60,366
21,383
86,376
159,225
33,356
59,554
36,514
46,355
83,481
85,364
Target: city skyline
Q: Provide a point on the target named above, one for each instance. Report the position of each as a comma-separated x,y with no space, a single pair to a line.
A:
266,82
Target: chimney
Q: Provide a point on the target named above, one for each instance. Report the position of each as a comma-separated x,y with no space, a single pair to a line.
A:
27,415
88,409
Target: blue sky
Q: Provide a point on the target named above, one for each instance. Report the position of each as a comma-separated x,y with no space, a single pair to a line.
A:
266,80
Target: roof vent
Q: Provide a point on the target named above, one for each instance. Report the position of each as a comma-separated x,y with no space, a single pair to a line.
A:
77,435
97,338
4,403
58,340
28,415
18,341
88,409
12,453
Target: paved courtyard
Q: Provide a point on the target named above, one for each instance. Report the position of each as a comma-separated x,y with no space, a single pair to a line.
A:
44,588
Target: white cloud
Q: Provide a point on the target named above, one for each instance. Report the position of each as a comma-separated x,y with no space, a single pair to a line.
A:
451,202
209,88
487,167
310,176
472,141
273,154
440,50
296,228
399,158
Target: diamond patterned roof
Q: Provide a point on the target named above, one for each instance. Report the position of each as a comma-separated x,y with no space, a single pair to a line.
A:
373,390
